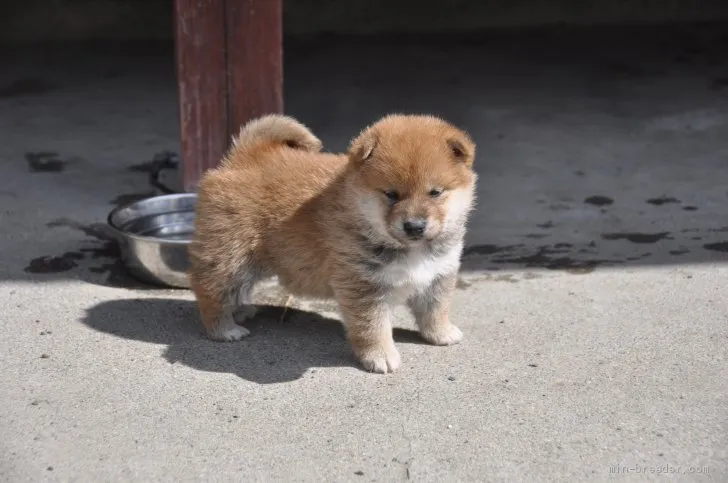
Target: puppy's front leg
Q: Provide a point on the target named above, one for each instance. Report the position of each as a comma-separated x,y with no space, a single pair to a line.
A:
431,309
368,321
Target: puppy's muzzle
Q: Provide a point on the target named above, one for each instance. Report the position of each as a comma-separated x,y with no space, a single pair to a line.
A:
415,228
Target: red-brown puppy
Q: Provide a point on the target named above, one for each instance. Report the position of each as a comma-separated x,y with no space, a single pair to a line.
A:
379,226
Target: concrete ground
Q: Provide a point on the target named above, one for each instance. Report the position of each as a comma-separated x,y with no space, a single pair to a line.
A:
593,291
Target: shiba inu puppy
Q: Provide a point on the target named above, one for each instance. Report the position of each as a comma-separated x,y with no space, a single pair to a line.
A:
378,226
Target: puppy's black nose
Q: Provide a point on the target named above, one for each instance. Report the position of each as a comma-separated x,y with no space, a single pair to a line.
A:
415,228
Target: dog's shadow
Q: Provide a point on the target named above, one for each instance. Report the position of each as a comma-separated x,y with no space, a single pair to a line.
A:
282,347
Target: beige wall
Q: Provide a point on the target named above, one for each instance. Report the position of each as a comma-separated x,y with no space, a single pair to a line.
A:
36,20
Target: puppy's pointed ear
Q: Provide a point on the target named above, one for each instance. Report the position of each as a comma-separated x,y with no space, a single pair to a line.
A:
362,147
462,149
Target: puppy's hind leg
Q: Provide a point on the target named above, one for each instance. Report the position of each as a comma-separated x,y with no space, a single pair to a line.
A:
216,312
242,297
218,301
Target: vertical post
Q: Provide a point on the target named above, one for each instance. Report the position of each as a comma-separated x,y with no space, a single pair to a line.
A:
255,59
202,85
229,70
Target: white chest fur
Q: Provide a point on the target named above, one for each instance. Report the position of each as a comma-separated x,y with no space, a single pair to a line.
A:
417,270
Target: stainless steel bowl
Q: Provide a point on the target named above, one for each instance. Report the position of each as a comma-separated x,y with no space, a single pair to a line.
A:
153,235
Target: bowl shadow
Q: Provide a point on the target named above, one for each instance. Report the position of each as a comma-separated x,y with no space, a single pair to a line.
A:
282,347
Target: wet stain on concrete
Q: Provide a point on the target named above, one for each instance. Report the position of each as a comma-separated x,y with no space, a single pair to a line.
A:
106,249
598,200
25,87
506,277
663,200
681,251
582,269
639,257
117,276
50,264
128,198
488,249
462,284
164,160
544,258
146,167
638,237
690,208
94,230
551,257
44,162
559,207
717,247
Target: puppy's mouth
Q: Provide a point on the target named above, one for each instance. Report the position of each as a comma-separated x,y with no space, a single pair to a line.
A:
413,239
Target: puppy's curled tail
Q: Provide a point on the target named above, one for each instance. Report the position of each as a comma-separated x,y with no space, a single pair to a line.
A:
276,129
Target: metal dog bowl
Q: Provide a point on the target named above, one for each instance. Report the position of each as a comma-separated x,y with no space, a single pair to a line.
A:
153,235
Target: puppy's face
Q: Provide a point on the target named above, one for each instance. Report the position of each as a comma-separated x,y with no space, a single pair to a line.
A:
413,178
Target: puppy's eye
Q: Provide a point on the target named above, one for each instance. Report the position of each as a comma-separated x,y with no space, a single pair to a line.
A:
435,193
393,196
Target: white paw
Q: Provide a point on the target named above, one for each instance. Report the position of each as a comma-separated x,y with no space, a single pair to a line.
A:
229,334
381,359
443,335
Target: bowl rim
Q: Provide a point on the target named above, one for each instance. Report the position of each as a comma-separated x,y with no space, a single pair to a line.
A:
119,232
